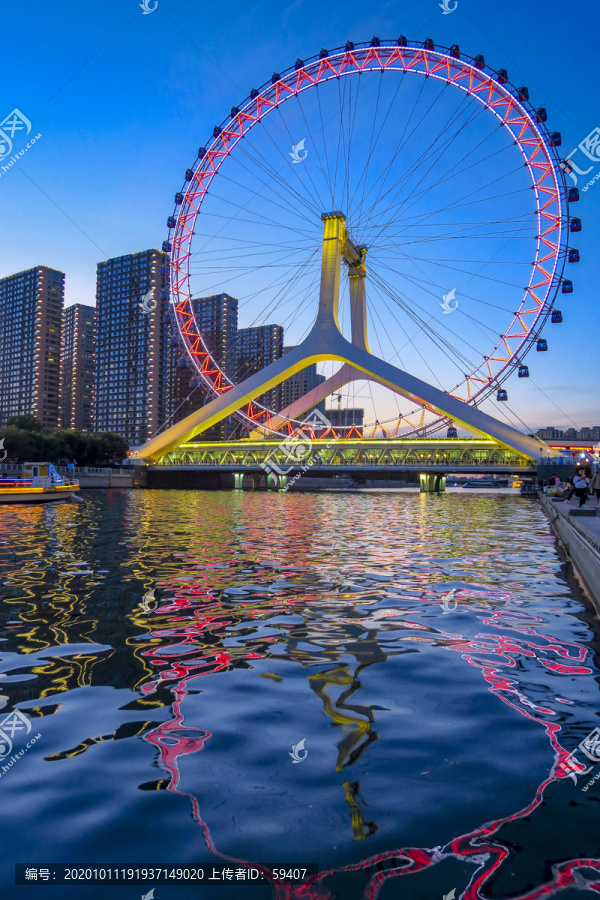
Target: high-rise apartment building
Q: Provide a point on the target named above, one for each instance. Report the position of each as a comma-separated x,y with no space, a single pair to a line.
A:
31,305
343,420
78,367
257,348
298,385
133,394
217,319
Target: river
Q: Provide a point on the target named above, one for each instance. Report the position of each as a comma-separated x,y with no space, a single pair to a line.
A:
383,685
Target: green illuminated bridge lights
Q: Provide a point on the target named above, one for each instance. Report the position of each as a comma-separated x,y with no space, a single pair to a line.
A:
348,455
326,342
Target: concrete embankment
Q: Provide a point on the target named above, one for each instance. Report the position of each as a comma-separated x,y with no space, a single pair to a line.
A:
580,535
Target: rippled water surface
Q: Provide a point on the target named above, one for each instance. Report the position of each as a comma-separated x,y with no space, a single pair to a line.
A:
171,648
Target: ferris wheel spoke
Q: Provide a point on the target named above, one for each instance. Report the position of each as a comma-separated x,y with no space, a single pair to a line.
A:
286,289
459,204
236,255
315,144
351,124
419,283
263,222
303,208
466,229
427,327
270,171
413,221
284,278
370,150
260,220
489,278
427,331
409,340
434,152
402,207
450,173
400,146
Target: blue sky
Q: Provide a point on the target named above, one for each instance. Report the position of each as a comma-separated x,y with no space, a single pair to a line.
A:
122,100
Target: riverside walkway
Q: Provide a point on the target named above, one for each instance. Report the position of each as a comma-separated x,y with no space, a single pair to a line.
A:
580,535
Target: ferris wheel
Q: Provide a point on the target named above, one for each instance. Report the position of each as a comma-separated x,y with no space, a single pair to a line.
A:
451,190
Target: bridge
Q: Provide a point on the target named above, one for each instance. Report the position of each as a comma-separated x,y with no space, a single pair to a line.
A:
496,447
351,455
275,464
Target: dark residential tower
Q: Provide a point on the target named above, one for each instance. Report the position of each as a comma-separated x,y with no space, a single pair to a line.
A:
298,385
78,367
216,318
133,385
257,348
31,305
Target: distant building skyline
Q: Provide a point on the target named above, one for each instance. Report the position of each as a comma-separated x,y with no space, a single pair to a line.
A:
145,381
587,433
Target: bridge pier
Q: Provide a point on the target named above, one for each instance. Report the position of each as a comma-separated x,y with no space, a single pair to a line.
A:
259,481
433,484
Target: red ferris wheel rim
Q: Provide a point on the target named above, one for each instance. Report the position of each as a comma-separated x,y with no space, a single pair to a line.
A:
502,99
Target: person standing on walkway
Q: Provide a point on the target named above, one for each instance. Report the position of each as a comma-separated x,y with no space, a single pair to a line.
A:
569,488
581,486
596,485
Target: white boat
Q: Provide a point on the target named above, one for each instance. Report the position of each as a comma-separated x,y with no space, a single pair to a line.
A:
40,483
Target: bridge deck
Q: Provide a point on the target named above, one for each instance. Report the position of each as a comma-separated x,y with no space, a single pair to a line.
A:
295,454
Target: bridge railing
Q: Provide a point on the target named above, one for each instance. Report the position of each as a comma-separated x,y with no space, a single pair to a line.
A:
224,459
